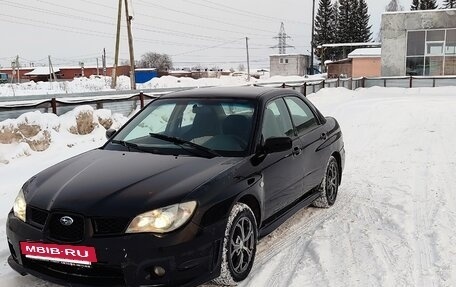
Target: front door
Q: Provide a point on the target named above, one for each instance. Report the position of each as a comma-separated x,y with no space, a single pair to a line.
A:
282,171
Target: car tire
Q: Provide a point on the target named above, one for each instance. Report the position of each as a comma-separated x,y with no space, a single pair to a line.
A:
239,246
329,185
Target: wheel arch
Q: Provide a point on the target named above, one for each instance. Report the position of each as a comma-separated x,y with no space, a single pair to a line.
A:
252,202
338,158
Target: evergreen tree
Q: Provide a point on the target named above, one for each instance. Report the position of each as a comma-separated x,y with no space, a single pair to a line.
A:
324,25
353,23
334,53
415,5
363,29
344,28
447,4
428,4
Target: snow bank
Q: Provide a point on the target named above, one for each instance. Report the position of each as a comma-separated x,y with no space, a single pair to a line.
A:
36,131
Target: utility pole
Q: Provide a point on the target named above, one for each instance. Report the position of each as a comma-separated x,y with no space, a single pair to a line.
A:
18,70
104,61
98,68
312,39
116,57
130,46
248,59
51,70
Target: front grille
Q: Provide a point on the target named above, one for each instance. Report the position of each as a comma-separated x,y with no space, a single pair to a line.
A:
97,274
37,216
106,225
70,233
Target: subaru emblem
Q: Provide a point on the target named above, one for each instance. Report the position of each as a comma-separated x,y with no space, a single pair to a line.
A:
66,220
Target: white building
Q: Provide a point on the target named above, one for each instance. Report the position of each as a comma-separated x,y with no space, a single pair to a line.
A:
289,64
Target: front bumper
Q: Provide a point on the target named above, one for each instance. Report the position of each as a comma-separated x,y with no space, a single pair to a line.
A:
190,256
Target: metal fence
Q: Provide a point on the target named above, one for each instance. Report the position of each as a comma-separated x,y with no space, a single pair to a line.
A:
307,87
124,102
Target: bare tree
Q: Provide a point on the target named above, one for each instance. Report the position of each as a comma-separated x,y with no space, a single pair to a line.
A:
161,62
392,6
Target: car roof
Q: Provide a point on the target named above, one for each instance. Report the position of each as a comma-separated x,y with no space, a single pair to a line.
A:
230,92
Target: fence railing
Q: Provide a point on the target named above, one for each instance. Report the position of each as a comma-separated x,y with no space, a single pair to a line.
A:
125,102
307,87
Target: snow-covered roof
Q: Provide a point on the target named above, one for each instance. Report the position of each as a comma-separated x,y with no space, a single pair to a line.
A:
366,52
451,10
41,71
336,45
145,69
287,55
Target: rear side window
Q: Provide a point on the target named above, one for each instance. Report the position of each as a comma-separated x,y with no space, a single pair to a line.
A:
301,114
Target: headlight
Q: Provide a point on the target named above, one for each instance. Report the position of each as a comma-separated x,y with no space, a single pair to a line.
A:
164,219
20,206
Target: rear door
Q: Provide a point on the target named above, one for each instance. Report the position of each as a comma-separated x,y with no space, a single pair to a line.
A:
312,135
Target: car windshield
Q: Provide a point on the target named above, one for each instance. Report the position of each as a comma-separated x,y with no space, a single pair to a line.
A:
194,127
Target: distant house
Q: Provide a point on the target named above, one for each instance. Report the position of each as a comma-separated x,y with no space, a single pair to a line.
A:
362,62
419,43
366,62
339,69
42,74
63,73
289,64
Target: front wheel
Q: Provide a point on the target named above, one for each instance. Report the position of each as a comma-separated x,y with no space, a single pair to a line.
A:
329,185
239,245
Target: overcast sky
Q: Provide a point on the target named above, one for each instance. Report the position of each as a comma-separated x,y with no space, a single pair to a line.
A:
208,32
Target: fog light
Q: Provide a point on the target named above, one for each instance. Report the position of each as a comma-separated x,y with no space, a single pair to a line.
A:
159,271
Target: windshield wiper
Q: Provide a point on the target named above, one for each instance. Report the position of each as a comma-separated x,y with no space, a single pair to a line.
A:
181,142
130,145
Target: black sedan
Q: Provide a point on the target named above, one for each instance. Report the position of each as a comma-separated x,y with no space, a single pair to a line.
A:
180,194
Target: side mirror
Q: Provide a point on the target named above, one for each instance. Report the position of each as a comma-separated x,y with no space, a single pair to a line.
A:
278,144
110,133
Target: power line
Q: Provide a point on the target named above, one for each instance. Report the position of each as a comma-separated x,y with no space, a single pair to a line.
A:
245,13
200,17
207,48
147,29
187,24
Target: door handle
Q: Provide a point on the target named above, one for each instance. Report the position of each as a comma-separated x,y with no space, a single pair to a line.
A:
323,136
296,151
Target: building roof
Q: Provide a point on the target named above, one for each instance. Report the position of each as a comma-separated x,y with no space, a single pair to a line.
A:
342,61
288,55
41,71
337,45
366,53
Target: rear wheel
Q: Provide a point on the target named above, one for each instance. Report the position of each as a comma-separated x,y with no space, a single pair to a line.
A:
329,185
239,245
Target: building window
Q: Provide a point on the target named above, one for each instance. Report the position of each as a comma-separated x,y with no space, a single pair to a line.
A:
450,43
286,61
431,52
281,61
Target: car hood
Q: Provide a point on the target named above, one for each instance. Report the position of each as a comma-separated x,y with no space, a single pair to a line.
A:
116,183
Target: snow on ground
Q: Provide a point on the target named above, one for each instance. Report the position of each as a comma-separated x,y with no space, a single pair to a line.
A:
100,83
394,223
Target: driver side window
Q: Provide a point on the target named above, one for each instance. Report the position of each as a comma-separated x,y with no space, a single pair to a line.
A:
276,121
